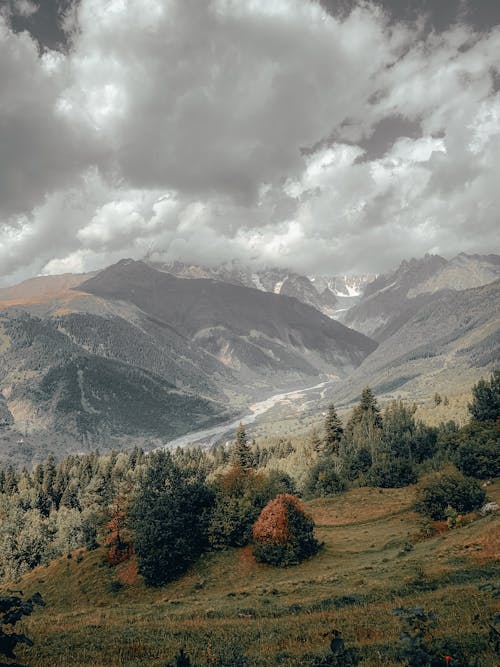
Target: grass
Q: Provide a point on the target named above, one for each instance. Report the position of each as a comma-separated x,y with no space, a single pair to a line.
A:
227,605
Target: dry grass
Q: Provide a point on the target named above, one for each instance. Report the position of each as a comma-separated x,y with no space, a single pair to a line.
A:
227,604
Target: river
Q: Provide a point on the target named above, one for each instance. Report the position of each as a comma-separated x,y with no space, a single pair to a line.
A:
209,436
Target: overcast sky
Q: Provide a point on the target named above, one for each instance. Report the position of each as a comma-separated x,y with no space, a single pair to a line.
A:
333,136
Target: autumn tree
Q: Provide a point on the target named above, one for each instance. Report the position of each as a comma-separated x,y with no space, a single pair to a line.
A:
117,540
284,533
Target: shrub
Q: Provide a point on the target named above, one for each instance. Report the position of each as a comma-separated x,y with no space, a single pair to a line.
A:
283,533
391,474
12,610
323,480
454,490
240,495
477,453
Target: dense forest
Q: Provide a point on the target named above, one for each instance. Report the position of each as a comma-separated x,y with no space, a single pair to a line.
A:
169,507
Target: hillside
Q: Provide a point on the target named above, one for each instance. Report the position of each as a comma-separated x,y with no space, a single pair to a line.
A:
444,345
273,280
227,606
392,299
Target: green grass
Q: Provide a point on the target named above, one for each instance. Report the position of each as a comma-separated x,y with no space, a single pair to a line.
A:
229,605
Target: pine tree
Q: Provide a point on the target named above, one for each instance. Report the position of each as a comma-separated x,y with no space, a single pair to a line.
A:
486,398
241,454
333,430
369,406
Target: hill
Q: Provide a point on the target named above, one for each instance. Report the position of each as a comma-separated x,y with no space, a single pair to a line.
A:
375,558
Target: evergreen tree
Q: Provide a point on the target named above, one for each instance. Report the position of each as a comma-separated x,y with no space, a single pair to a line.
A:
241,454
333,430
486,398
363,433
169,520
368,405
317,444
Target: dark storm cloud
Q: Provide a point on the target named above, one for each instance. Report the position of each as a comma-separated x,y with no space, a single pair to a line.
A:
44,20
271,131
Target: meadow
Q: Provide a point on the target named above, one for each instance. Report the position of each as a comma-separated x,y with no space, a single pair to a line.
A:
230,610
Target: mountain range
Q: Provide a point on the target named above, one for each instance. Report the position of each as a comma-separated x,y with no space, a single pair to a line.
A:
141,352
329,294
133,353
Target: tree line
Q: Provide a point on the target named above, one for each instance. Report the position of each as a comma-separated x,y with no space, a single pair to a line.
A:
169,507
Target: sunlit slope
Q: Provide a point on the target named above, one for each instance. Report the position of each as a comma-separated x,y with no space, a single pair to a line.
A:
372,561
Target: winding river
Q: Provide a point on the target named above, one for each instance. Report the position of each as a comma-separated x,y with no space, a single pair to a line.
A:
209,436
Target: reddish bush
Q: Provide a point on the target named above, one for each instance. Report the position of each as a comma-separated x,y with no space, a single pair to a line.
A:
284,533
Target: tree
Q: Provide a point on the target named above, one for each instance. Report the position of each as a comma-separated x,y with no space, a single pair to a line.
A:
284,533
241,454
333,430
169,519
323,480
477,454
364,427
486,398
368,405
117,541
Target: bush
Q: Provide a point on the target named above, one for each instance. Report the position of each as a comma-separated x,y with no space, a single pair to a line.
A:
391,474
323,480
477,453
356,463
283,533
454,490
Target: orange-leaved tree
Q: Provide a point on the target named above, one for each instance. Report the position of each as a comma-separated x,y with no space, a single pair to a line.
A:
117,540
284,533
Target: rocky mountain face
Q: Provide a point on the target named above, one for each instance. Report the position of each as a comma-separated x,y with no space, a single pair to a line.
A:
134,352
443,343
393,298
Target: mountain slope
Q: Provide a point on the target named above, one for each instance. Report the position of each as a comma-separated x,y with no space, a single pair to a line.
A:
208,310
444,344
392,299
274,280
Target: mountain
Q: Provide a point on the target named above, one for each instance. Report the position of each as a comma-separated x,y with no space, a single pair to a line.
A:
331,294
273,280
132,353
391,299
347,289
443,344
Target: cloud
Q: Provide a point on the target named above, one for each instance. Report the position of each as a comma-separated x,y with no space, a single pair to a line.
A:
272,132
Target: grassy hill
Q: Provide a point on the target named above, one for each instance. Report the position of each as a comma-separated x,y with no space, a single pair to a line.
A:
374,559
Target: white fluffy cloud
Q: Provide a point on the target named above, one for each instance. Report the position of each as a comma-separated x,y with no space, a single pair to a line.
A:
207,131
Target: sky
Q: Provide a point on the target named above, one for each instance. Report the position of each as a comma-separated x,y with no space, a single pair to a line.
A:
338,136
